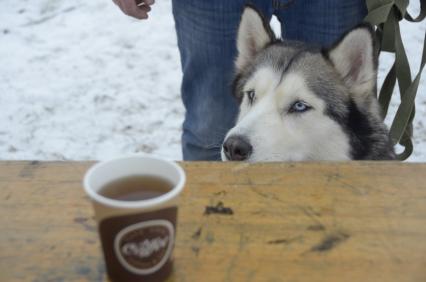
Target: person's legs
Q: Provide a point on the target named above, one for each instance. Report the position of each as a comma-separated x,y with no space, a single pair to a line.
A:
206,32
319,22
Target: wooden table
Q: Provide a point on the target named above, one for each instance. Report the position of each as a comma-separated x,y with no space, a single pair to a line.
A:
290,222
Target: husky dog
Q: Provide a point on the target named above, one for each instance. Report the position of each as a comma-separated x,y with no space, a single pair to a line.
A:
299,103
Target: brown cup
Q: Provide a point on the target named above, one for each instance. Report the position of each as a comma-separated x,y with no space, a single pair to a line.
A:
137,236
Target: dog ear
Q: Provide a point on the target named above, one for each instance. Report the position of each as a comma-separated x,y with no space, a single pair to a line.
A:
254,33
354,58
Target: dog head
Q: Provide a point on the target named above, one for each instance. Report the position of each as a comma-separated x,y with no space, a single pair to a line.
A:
301,103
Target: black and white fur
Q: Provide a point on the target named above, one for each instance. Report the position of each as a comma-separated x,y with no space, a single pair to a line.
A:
299,103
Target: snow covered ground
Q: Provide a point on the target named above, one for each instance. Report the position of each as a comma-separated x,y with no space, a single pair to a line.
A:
79,80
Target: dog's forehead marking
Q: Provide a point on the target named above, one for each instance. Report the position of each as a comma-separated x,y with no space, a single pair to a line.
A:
294,86
263,80
298,54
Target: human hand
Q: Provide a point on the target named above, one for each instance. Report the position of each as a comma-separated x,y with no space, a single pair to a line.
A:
135,8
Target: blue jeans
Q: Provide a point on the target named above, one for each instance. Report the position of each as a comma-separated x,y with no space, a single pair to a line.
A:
206,32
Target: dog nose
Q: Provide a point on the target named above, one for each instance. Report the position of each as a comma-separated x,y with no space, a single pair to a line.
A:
237,148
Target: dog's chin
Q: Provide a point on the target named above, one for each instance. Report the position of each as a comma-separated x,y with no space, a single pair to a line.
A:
270,159
224,159
255,158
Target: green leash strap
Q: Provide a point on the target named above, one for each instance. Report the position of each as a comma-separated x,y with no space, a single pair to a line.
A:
405,113
386,14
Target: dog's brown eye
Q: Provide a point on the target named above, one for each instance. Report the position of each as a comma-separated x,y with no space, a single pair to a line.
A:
251,96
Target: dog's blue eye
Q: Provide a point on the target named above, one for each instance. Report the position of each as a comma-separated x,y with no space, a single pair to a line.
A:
250,95
299,107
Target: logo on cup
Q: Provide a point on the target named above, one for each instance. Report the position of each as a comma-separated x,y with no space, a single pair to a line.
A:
143,248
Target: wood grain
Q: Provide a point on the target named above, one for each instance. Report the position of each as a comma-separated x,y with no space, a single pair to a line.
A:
359,221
